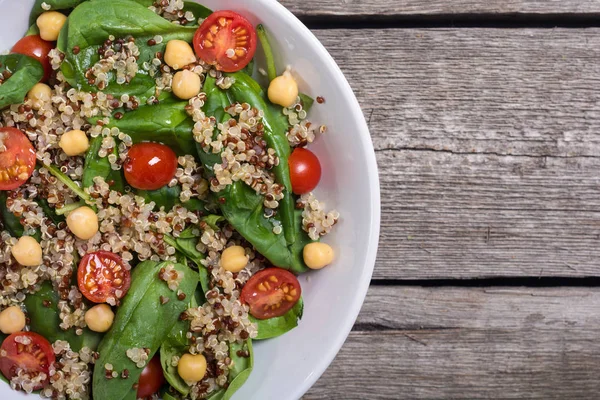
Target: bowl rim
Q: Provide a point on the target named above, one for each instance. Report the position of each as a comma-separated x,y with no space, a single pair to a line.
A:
375,210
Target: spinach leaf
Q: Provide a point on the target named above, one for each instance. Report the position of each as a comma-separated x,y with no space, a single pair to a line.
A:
100,166
197,9
166,122
44,316
141,322
50,212
33,30
273,327
90,24
242,367
167,197
186,245
242,206
55,5
247,90
176,344
307,101
12,223
26,72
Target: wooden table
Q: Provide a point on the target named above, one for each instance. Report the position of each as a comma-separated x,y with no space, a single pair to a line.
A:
485,118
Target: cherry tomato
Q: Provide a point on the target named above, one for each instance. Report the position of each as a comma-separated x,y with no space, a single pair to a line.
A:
271,293
17,162
36,47
305,170
34,358
102,275
226,40
150,166
152,379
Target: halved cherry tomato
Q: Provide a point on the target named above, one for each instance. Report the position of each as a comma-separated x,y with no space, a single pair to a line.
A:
17,162
226,40
36,47
271,293
150,166
102,275
35,356
305,170
152,379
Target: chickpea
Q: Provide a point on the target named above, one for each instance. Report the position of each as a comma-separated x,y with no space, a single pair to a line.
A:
192,368
83,222
178,54
99,318
12,320
186,84
234,259
74,142
39,94
27,252
283,90
50,24
317,255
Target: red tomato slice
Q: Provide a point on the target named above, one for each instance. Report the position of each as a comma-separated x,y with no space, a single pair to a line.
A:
36,47
35,356
226,40
305,170
271,293
17,162
150,166
151,380
101,276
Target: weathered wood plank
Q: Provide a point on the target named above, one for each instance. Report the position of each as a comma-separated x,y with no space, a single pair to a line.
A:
470,343
502,91
437,7
448,215
445,106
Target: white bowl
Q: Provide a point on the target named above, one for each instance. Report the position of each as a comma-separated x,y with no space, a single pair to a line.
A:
286,367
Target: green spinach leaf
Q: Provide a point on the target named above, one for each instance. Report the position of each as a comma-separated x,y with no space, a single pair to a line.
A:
90,24
166,197
100,166
44,316
166,122
242,367
176,344
25,73
273,327
55,5
142,321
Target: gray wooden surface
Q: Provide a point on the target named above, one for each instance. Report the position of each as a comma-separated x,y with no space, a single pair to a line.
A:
488,142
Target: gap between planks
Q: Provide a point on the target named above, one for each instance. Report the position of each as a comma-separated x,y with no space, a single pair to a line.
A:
416,8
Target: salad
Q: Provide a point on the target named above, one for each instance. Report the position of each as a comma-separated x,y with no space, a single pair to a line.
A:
156,201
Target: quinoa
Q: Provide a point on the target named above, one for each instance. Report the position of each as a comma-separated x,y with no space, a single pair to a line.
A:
172,10
138,355
222,320
70,376
315,221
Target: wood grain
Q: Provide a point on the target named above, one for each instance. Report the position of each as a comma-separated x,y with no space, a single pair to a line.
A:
448,215
437,7
500,91
487,142
446,342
